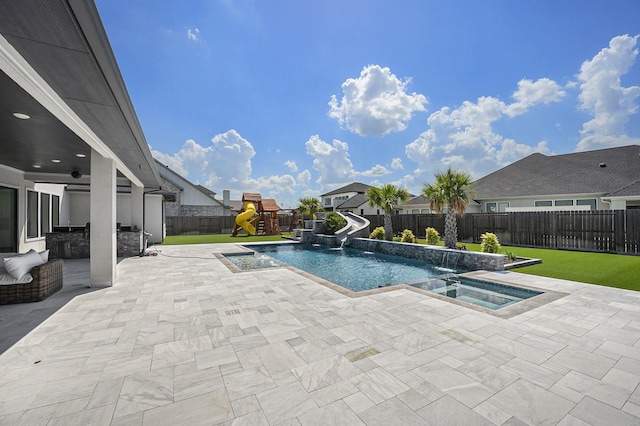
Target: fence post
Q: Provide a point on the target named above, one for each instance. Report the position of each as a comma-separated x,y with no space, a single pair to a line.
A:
619,230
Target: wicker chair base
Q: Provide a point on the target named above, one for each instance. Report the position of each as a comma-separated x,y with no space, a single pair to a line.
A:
47,279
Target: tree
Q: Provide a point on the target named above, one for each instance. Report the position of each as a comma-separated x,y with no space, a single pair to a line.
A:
451,189
309,207
387,198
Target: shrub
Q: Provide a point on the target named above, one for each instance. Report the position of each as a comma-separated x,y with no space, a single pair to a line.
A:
433,237
334,222
490,243
378,233
461,246
407,236
396,239
511,256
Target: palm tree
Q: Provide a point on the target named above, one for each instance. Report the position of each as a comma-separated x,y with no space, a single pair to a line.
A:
451,189
309,207
387,198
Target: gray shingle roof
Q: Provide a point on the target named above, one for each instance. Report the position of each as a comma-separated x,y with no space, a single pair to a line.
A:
358,187
601,171
420,199
354,202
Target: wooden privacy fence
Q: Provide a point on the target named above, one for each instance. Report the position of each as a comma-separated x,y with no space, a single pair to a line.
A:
613,231
194,225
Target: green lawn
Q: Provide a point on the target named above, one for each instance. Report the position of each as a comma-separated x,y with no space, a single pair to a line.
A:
612,270
223,238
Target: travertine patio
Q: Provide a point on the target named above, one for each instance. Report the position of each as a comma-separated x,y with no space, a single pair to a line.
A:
182,340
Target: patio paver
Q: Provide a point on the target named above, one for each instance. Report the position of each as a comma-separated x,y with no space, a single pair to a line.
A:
180,339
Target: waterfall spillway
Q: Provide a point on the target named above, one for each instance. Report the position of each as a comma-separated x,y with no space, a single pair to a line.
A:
342,242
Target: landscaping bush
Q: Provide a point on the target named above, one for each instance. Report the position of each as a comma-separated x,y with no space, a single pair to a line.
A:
511,256
334,222
433,237
378,233
490,243
407,236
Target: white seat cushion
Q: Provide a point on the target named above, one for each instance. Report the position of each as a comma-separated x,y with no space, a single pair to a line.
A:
19,266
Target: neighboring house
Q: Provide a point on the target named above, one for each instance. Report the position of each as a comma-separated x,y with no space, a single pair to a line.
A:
416,205
191,199
349,198
604,179
66,118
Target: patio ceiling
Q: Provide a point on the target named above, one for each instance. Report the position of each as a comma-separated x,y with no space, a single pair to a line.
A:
78,85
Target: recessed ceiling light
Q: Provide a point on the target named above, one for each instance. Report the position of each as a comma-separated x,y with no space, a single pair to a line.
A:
37,166
21,116
80,155
55,161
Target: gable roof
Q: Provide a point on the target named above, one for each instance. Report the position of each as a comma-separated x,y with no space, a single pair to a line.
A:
353,202
206,191
269,205
601,171
419,200
358,187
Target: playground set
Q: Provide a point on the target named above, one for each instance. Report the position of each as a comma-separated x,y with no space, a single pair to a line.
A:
258,216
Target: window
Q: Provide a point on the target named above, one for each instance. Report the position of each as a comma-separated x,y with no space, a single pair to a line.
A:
8,220
497,207
589,202
32,214
563,203
327,201
546,203
415,211
55,210
424,211
45,213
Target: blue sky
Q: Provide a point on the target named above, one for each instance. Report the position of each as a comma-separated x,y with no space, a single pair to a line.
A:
294,98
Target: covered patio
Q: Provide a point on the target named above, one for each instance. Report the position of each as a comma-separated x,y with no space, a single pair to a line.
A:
180,339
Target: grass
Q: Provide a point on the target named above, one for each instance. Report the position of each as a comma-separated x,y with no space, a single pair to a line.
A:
220,238
611,270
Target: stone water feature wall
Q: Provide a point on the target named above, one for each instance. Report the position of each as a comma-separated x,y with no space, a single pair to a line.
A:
439,256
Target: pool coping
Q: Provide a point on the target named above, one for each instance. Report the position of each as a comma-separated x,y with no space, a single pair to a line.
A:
510,311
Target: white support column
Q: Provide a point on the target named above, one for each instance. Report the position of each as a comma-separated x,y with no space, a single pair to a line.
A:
137,207
103,247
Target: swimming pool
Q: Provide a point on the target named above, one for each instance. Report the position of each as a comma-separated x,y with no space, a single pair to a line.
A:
359,270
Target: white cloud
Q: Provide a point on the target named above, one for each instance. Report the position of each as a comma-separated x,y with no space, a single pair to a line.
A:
375,103
463,138
396,164
173,161
603,95
226,164
375,171
330,161
193,35
304,178
530,93
272,186
291,165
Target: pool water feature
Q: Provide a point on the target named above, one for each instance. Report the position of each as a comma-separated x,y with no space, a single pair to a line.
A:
359,270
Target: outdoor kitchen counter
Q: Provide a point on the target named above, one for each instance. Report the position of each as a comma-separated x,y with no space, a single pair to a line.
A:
75,244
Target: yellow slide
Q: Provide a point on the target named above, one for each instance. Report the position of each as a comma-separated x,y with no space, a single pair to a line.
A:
243,218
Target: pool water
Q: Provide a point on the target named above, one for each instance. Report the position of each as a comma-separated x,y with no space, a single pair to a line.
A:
483,293
359,270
